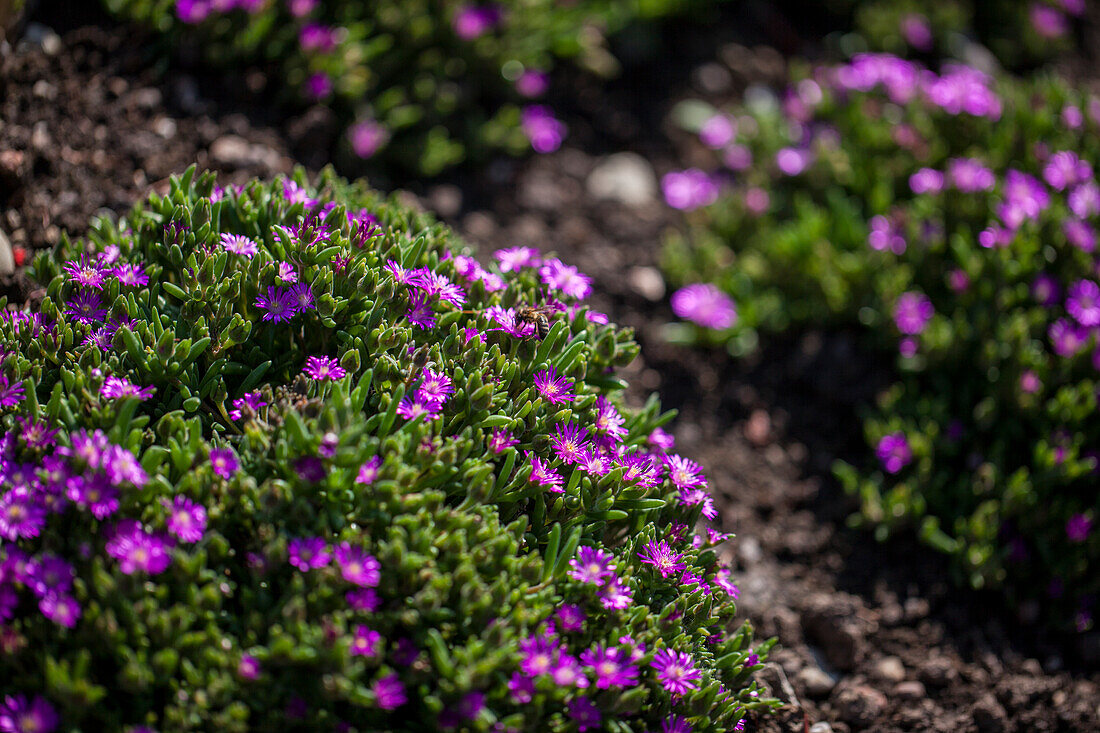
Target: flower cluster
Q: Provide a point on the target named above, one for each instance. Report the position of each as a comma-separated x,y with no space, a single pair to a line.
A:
325,468
974,263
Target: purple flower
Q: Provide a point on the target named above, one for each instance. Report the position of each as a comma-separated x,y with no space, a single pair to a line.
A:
885,235
363,599
1065,169
1079,234
553,388
532,83
912,311
689,189
591,566
323,368
117,387
516,258
86,307
1030,382
17,715
565,279
1083,302
224,462
705,305
410,409
675,724
248,668
358,567
471,21
1066,338
1048,22
662,558
367,137
389,693
676,671
737,158
584,713
543,475
1045,290
318,86
317,37
136,549
522,688
308,553
969,175
541,127
11,393
86,272
63,610
684,473
365,642
916,31
612,667
500,439
239,244
718,131
187,520
1078,528
253,401
368,472
131,275
279,304
420,312
926,180
570,443
792,161
435,387
893,452
1084,200
21,514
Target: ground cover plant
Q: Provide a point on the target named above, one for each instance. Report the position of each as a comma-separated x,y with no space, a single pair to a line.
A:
421,85
950,217
283,456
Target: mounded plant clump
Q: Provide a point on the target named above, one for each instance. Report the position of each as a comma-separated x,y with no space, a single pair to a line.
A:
280,457
952,218
421,84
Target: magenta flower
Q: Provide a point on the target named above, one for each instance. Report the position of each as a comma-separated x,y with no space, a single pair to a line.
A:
1083,302
286,272
117,387
608,421
684,473
136,549
696,497
435,387
86,307
570,443
389,693
93,492
792,161
130,275
676,671
410,408
1078,528
912,311
565,279
17,715
252,401
278,303
1048,22
11,393
500,439
661,440
886,236
970,175
223,462
554,388
532,83
61,609
543,475
916,31
358,567
586,715
302,295
317,37
1079,234
366,641
308,553
21,514
516,258
323,369
1066,338
689,189
704,305
363,599
541,127
1030,382
471,21
248,668
594,463
1045,290
367,137
612,667
926,180
570,617
420,312
662,558
318,86
187,520
368,472
718,131
591,566
893,452
239,244
1084,200
86,272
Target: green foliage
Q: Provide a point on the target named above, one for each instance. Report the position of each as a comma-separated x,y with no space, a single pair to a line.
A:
235,628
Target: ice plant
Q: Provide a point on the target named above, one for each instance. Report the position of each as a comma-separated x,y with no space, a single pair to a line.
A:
704,305
323,369
553,387
676,671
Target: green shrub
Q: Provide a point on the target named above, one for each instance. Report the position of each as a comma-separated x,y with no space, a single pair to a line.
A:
953,219
280,457
421,83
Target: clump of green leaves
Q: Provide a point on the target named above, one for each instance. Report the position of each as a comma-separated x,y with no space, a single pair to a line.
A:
281,457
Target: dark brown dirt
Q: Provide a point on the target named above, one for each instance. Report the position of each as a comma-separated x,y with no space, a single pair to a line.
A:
873,636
